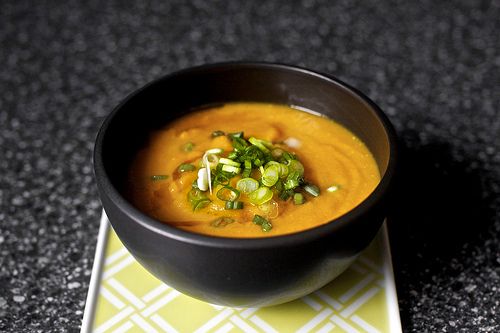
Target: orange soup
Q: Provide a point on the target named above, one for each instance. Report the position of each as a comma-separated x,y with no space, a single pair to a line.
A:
251,170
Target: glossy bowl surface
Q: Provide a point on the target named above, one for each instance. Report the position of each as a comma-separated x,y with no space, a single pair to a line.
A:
241,272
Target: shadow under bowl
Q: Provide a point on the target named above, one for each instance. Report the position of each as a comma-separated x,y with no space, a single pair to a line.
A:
241,272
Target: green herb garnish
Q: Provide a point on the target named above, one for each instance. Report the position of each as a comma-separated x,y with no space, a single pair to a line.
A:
234,205
198,199
222,221
228,193
185,167
159,177
298,199
188,147
267,171
263,223
217,133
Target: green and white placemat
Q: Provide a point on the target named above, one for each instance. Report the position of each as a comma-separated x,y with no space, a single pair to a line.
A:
124,297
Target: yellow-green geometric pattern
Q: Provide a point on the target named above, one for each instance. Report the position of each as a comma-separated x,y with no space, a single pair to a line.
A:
132,300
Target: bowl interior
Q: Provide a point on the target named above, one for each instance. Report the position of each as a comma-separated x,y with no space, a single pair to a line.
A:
172,96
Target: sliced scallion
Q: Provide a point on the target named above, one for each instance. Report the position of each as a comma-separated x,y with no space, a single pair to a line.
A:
234,205
228,161
232,155
198,199
230,168
247,185
239,144
261,195
286,194
270,175
228,193
262,222
202,181
188,147
287,156
214,151
238,135
298,199
283,170
217,133
295,166
185,167
290,184
277,153
222,221
311,189
248,169
159,177
270,209
261,144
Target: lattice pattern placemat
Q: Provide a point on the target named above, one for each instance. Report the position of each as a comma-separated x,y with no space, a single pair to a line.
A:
127,298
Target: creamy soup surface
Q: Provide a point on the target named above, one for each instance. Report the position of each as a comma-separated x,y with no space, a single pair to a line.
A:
335,163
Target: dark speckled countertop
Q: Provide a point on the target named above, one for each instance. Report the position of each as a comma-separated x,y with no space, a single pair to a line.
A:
433,66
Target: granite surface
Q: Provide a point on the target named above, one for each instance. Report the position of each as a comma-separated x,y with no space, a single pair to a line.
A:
433,66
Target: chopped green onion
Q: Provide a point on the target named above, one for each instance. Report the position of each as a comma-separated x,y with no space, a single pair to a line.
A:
247,185
198,199
232,155
248,169
311,189
228,193
188,147
270,175
228,161
159,177
270,209
333,188
239,144
222,222
283,169
298,199
201,204
290,184
230,168
238,135
279,186
206,177
295,166
261,144
262,222
222,178
210,160
251,153
234,205
202,181
261,195
184,167
285,195
277,153
214,151
217,133
287,156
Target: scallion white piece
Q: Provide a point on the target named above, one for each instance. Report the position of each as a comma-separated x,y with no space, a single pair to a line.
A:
202,181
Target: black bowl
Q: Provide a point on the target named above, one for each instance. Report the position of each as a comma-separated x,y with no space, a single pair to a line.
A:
241,272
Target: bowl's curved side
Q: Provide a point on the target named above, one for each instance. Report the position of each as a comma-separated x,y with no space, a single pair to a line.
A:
239,277
241,272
